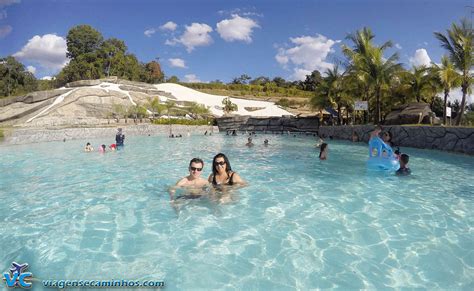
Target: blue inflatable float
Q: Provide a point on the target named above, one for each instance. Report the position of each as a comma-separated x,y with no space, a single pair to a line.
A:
381,156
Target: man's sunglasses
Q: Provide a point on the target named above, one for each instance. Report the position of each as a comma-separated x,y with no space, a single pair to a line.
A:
195,169
219,163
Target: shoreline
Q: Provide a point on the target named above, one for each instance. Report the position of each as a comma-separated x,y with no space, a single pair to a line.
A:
17,136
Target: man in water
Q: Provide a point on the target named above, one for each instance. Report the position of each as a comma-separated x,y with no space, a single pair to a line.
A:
119,138
193,183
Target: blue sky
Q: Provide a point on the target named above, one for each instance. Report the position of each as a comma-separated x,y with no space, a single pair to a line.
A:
209,40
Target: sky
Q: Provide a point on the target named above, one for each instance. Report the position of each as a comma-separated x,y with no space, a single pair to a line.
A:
219,40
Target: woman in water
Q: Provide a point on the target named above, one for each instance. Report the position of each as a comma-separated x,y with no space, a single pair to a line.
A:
222,173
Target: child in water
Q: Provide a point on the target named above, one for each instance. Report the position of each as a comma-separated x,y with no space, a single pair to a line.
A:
404,170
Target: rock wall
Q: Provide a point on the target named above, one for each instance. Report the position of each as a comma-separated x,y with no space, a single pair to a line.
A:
455,139
290,123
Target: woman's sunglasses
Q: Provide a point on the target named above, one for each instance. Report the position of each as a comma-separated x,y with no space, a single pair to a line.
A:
195,169
219,163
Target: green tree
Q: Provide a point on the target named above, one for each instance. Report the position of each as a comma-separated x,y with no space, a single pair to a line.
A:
199,109
369,60
172,79
155,106
82,39
312,81
14,78
416,82
458,41
332,92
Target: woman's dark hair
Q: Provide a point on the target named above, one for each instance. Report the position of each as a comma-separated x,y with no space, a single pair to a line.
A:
323,147
88,144
214,168
390,135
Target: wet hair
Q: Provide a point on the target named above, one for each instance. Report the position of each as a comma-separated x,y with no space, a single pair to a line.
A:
214,168
323,147
405,158
103,146
88,144
197,161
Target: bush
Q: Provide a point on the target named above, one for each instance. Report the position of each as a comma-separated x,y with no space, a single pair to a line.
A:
183,121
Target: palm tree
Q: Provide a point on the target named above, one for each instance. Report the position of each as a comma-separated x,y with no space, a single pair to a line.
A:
458,41
332,90
448,78
416,82
155,106
368,59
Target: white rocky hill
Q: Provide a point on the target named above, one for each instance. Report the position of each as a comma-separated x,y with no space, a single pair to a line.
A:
93,102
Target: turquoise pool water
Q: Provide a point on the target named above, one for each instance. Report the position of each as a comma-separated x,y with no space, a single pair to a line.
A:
300,223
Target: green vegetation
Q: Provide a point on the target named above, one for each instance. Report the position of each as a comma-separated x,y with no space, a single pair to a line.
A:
229,106
270,89
182,121
2,135
385,84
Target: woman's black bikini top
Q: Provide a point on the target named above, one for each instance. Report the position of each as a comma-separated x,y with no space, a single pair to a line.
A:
229,182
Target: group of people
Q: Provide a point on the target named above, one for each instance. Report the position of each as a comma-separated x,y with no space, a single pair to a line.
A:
119,140
221,176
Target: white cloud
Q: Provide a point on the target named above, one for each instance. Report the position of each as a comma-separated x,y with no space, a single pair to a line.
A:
149,32
307,54
5,30
196,34
3,14
31,69
177,63
170,25
398,46
237,29
48,50
191,78
8,2
47,78
421,58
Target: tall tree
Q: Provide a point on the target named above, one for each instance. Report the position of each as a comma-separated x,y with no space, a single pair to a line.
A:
448,77
14,78
416,82
458,41
82,39
369,59
312,81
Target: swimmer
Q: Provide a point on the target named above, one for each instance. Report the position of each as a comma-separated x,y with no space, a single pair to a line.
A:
222,173
323,154
376,132
113,147
102,148
249,142
265,142
193,183
404,170
88,147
